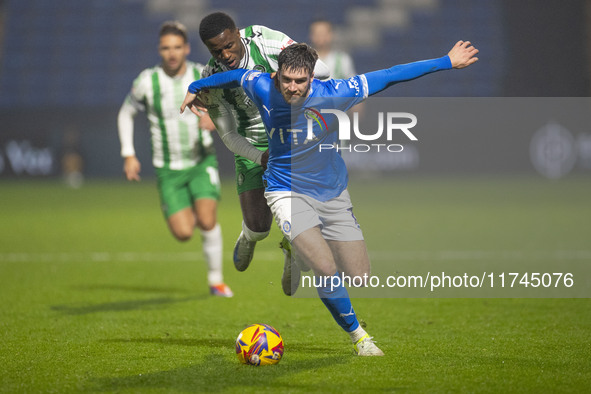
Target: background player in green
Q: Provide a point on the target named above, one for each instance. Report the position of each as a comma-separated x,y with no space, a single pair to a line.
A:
339,62
238,121
182,149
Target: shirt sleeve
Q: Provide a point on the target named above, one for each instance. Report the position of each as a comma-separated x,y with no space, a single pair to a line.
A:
225,124
238,144
222,115
125,127
279,42
137,94
133,103
273,42
248,82
225,80
321,70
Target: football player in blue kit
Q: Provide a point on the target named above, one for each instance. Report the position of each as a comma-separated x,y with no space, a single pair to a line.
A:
306,186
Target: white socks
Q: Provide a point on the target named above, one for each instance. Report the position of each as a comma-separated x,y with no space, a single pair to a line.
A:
357,334
212,249
253,235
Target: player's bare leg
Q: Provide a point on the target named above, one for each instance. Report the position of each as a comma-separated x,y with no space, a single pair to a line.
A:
351,257
203,215
255,211
256,224
313,250
205,210
182,224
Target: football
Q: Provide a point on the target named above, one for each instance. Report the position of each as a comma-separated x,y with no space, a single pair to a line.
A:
259,344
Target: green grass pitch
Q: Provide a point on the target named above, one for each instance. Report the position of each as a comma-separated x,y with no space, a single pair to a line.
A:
98,297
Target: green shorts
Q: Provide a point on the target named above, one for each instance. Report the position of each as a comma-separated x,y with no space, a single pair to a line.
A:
249,175
179,189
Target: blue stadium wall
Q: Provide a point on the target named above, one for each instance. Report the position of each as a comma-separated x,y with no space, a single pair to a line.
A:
66,66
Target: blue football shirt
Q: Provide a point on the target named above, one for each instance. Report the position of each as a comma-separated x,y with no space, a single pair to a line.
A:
296,134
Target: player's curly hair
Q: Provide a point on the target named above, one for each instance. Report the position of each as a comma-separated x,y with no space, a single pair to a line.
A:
297,57
174,27
214,24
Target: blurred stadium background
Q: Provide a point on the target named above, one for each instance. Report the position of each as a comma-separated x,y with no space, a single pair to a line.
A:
66,65
98,297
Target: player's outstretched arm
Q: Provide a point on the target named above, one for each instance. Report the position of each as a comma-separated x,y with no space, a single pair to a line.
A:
463,54
131,165
382,79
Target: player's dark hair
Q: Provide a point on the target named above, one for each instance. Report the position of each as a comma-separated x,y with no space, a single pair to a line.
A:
297,57
214,24
174,27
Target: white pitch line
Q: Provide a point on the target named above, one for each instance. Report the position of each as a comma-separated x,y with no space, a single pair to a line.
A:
376,255
98,256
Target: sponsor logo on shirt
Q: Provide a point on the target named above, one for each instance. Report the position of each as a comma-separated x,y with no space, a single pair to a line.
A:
354,84
314,114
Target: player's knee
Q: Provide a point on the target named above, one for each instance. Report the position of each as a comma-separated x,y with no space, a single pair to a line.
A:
258,225
358,274
207,224
323,268
258,220
182,234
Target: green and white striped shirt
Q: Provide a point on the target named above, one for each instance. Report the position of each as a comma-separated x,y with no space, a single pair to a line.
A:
262,46
177,140
340,65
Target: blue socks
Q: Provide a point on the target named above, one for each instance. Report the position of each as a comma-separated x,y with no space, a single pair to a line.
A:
336,299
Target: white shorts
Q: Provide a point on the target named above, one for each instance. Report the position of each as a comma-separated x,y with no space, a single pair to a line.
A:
296,213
